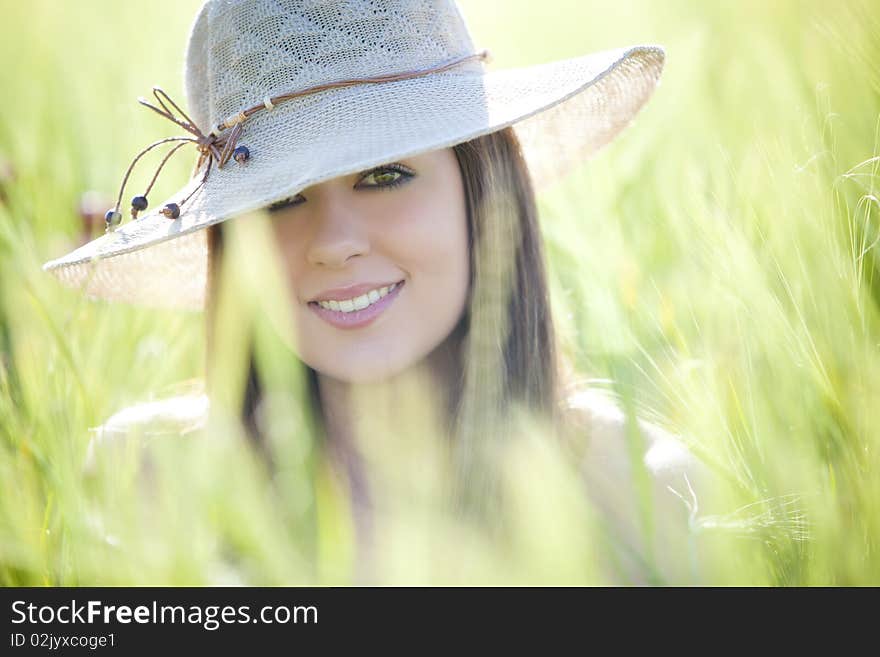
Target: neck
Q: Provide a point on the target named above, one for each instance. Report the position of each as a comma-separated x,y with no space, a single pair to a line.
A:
349,409
361,418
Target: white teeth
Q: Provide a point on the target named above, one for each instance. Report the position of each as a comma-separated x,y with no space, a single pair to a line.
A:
358,303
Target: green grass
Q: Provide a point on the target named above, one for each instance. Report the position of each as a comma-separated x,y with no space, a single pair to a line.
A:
720,262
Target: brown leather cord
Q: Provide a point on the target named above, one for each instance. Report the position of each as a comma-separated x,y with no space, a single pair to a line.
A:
137,157
274,100
220,147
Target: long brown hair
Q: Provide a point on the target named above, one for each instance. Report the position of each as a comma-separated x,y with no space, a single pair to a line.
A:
507,352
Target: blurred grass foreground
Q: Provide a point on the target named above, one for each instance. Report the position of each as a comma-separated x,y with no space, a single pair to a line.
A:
718,267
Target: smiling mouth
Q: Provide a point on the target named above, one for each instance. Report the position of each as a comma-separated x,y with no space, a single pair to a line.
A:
359,317
358,303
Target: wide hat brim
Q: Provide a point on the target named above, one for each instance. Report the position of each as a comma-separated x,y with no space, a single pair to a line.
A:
562,113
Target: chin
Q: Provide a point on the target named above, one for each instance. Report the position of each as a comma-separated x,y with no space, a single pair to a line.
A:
365,372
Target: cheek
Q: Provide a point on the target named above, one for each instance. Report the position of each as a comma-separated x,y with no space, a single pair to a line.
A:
430,238
431,246
290,242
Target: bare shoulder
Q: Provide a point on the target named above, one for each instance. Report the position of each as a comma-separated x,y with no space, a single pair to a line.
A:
646,484
168,414
603,425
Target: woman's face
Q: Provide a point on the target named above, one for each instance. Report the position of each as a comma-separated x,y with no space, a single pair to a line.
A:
346,241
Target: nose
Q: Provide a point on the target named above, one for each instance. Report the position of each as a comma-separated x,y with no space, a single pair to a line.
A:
339,236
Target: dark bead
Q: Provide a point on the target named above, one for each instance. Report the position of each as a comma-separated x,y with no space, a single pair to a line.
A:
112,218
241,154
139,203
171,210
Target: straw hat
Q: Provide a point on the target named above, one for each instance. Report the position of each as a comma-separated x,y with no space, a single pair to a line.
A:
284,94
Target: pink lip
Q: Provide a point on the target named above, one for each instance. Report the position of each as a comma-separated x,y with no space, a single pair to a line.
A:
358,318
350,292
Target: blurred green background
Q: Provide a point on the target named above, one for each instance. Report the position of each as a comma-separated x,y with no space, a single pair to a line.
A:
720,261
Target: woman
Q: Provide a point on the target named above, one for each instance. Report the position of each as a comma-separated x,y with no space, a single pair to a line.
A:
439,284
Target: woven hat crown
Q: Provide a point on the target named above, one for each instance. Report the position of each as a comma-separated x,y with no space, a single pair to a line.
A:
241,52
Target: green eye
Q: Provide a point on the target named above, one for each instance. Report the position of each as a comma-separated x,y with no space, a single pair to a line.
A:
386,177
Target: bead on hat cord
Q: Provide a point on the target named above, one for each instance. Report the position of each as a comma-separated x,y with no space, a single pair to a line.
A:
220,148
